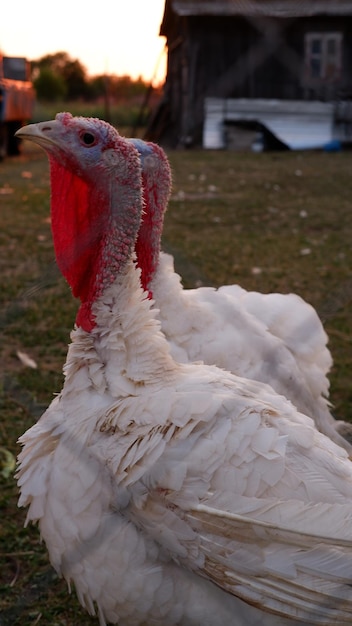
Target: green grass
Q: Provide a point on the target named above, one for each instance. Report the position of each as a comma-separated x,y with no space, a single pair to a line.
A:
288,215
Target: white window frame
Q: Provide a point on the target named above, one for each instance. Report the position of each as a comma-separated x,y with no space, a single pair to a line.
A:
329,66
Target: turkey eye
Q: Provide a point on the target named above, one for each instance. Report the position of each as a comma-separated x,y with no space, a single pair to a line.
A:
88,138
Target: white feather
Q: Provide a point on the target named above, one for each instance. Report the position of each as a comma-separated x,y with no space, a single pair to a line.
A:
273,338
195,467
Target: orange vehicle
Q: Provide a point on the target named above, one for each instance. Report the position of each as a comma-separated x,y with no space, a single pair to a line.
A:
17,97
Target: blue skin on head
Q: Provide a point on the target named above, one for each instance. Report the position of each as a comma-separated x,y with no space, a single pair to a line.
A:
143,148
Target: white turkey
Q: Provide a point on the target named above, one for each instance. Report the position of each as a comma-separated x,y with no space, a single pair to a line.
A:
274,338
170,494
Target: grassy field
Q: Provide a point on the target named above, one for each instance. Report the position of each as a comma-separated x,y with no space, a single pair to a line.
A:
271,222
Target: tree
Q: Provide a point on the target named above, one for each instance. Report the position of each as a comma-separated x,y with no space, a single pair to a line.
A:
75,77
60,68
59,76
49,85
125,88
99,86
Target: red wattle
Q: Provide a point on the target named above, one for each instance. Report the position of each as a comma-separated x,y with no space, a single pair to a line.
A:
84,317
77,230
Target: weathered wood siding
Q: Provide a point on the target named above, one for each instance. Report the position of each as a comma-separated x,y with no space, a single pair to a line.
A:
243,57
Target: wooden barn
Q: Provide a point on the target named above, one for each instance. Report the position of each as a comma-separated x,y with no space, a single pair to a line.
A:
235,66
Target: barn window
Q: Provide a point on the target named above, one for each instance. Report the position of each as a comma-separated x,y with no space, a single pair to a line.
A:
323,55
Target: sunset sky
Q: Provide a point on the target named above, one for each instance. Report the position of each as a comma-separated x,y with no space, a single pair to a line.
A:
114,37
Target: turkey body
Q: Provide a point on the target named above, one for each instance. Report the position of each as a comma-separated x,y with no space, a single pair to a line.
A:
150,480
273,338
170,493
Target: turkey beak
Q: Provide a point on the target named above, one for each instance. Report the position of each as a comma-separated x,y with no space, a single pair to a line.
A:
42,133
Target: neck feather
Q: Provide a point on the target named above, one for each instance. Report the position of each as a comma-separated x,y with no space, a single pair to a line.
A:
126,339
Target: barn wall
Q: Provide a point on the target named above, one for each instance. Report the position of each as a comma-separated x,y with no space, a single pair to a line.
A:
236,57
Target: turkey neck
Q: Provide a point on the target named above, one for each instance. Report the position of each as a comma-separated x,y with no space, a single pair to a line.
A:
94,229
125,347
117,327
148,240
156,179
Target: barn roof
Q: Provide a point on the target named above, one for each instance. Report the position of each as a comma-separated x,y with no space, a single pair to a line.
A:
271,8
